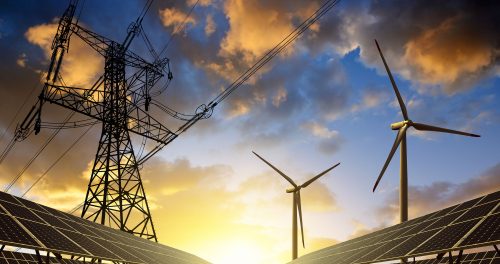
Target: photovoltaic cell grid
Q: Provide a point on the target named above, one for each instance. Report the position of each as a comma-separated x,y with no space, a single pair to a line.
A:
30,225
471,224
488,257
8,257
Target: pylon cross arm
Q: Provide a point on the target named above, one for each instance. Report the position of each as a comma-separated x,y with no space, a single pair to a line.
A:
138,121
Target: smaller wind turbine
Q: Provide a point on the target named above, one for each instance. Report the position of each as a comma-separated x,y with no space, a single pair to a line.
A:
296,202
402,127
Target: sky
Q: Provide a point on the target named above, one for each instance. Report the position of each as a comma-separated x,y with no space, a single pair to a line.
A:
323,100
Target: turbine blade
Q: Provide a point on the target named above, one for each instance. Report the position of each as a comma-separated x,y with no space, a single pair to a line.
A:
305,184
396,90
299,208
276,169
399,137
424,127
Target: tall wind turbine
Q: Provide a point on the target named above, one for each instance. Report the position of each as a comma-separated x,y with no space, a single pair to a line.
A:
402,127
295,190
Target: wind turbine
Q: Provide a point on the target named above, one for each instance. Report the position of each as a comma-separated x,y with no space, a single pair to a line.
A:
296,202
402,127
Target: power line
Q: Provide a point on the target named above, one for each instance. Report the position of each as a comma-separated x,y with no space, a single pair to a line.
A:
11,143
9,186
206,110
19,110
57,160
276,50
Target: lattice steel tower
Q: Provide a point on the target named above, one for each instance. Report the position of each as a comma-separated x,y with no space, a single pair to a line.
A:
115,194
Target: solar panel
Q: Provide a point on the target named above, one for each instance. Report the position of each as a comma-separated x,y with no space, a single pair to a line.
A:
446,238
474,223
488,257
33,226
12,233
20,211
487,232
25,258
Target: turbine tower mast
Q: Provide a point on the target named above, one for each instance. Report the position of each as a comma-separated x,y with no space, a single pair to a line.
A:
115,194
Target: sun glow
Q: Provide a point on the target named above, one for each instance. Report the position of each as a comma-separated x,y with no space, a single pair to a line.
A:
238,251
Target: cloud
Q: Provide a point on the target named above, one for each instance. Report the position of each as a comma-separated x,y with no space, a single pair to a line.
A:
200,2
176,18
21,61
438,195
210,25
370,98
250,34
445,53
279,97
81,64
361,229
249,21
329,141
446,49
320,131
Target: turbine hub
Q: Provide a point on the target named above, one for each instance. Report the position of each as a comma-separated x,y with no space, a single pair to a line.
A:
398,125
293,189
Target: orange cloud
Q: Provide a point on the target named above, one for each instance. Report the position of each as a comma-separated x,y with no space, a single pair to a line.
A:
249,22
81,65
442,55
176,18
280,97
238,108
200,2
210,25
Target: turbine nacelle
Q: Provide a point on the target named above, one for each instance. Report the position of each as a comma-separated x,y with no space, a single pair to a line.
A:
398,125
293,189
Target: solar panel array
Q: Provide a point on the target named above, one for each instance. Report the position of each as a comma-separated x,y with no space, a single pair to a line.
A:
488,257
472,224
30,225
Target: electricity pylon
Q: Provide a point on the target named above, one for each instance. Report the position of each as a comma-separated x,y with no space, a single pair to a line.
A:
115,194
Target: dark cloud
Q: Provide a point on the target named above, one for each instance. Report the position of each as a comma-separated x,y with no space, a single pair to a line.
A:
448,47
